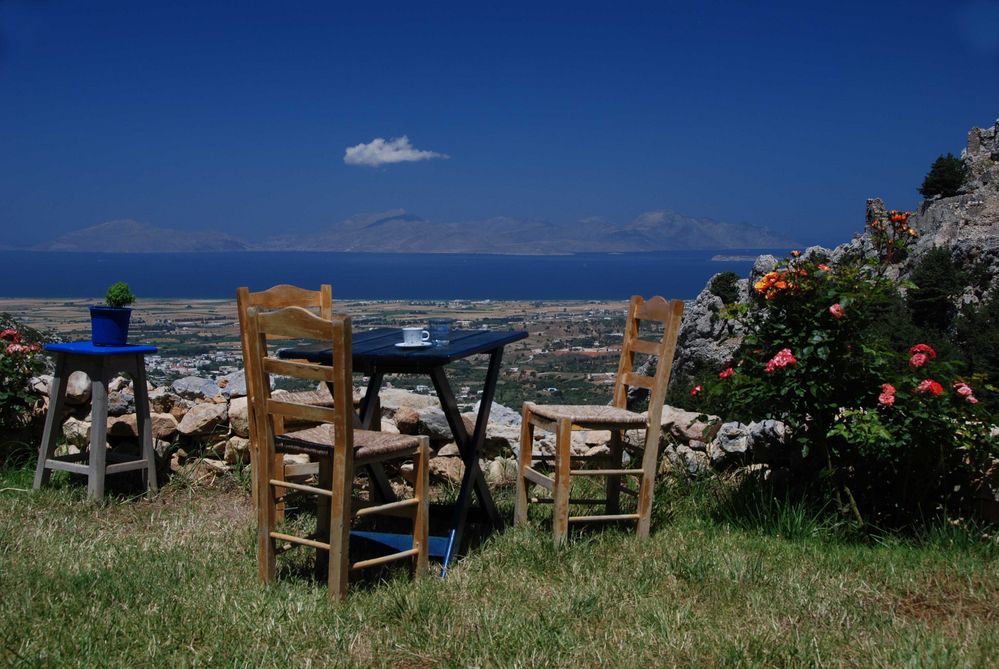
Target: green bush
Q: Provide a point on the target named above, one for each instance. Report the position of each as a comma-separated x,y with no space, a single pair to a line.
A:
19,361
938,282
978,337
725,286
945,178
886,428
119,295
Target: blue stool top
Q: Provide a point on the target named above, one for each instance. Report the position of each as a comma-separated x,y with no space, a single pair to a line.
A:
88,348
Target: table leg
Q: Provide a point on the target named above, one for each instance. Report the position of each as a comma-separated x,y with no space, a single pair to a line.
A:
469,446
57,400
370,419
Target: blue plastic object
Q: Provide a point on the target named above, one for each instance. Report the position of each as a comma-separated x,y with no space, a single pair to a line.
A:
403,542
109,325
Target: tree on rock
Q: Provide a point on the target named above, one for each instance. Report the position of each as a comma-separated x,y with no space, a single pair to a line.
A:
945,177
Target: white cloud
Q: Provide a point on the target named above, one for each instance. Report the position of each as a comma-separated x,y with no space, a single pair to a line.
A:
381,151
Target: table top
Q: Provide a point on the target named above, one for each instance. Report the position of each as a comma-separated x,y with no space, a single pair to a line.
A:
377,348
88,348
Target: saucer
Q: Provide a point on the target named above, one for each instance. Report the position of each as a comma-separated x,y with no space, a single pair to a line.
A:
422,344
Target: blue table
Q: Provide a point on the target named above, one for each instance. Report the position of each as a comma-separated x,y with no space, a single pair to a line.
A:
101,364
375,353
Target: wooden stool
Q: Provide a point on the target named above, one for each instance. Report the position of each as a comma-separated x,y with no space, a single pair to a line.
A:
101,364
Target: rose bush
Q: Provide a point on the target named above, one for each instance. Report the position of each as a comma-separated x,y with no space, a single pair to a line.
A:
19,361
887,431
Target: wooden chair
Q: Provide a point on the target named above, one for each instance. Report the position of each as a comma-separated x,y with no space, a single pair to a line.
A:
279,297
334,441
562,419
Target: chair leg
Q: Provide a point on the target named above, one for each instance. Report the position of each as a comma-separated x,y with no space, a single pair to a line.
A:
340,514
98,435
323,504
563,450
523,462
266,555
57,399
421,521
614,481
646,487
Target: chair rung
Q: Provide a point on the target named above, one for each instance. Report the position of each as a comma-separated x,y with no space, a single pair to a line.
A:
605,472
385,558
387,508
599,519
534,476
572,500
299,540
303,488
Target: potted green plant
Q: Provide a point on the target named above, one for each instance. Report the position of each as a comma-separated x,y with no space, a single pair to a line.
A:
109,321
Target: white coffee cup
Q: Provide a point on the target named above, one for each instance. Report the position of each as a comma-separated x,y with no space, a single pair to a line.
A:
414,336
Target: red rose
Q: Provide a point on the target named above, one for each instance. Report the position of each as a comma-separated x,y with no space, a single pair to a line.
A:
724,374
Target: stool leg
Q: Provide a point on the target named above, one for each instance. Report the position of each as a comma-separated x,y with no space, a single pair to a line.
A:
57,400
98,433
144,421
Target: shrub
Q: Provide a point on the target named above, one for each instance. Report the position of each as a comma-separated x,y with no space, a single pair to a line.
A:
119,295
938,282
725,286
978,337
19,361
886,431
945,178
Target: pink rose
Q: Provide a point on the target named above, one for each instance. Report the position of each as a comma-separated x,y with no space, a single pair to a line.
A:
696,390
783,358
971,399
929,386
923,348
918,360
727,372
886,399
963,389
837,310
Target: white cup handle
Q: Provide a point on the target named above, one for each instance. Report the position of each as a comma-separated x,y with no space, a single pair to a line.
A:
425,336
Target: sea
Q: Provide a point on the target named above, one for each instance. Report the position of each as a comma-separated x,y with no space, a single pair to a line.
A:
375,276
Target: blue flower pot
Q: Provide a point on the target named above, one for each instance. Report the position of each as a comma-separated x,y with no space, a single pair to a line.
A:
109,325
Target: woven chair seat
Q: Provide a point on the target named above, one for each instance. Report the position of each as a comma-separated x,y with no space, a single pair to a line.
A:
314,398
318,441
583,414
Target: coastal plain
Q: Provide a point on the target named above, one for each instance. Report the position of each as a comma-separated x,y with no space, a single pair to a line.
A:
570,354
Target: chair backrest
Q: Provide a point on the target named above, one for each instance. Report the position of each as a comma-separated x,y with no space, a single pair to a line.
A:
269,413
668,314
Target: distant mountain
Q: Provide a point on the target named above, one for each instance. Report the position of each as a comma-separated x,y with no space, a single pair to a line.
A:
398,231
128,236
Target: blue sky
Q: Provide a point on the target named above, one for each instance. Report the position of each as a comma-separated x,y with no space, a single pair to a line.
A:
237,116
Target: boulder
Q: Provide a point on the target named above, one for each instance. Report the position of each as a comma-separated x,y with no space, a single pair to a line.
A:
389,427
501,472
233,385
195,388
118,384
434,424
164,425
202,419
407,420
684,458
77,388
161,400
239,416
40,384
768,439
77,432
123,426
237,449
449,451
501,415
447,469
730,446
392,399
688,425
120,402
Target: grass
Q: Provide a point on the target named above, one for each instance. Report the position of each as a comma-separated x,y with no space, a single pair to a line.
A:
172,581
